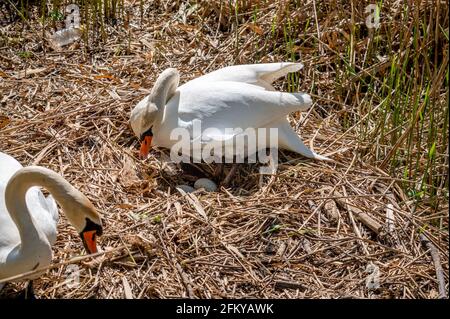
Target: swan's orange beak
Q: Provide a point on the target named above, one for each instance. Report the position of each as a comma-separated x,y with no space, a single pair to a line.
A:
145,146
89,242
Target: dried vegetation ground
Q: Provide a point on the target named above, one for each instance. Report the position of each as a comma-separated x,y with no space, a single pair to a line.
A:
315,230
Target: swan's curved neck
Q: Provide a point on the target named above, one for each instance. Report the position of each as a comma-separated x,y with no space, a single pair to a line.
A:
163,90
16,190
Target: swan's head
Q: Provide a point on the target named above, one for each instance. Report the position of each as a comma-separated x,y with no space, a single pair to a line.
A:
142,118
144,114
85,218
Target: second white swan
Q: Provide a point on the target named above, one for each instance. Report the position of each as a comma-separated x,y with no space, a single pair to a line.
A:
28,219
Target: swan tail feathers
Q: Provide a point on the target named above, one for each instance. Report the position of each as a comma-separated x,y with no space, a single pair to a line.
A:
288,139
302,149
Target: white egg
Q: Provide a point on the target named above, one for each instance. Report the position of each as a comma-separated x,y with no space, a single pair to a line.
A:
205,183
186,188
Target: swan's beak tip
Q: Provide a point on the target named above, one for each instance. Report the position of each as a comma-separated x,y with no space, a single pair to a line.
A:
145,147
89,241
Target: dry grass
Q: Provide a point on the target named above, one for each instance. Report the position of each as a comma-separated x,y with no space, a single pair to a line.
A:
313,231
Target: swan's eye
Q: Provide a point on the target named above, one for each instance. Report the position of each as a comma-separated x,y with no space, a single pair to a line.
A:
146,133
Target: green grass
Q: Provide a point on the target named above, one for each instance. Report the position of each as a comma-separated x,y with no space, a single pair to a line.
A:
408,133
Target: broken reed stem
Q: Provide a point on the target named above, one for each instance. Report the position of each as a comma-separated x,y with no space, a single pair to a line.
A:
359,214
184,278
437,265
285,284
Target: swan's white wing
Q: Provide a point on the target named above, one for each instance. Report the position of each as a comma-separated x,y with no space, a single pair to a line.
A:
9,234
219,111
224,105
8,231
43,210
52,208
48,204
8,166
262,75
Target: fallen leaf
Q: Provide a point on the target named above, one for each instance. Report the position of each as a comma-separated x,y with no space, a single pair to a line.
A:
104,76
135,86
255,28
4,121
125,206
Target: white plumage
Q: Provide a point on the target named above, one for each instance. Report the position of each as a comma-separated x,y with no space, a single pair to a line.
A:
28,219
239,96
44,212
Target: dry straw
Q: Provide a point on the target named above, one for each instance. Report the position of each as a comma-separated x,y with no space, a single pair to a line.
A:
314,230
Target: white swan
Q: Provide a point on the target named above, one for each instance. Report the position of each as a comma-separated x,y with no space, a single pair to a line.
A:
28,219
233,97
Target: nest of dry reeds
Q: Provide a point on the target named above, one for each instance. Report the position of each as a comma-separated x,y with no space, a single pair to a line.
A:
344,229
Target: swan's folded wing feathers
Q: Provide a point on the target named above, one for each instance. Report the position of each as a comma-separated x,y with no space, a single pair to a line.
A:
8,166
45,212
48,204
278,71
230,108
237,105
262,75
9,235
52,207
